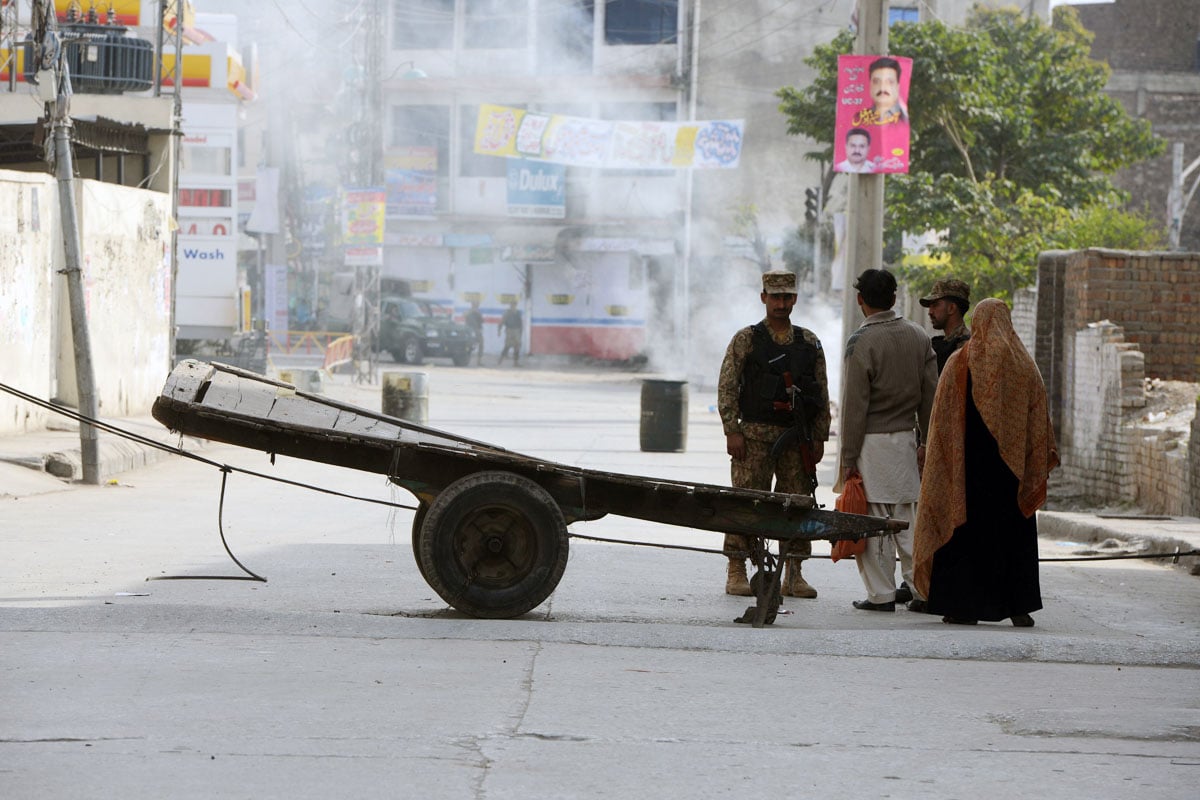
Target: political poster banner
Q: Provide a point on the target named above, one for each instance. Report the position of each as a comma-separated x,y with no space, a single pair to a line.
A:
872,126
605,144
410,175
363,216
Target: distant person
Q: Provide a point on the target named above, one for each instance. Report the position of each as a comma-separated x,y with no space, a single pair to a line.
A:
858,146
884,75
948,302
757,408
889,379
510,327
991,449
473,319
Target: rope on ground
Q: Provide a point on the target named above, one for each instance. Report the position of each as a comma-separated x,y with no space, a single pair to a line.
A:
1175,556
226,469
179,451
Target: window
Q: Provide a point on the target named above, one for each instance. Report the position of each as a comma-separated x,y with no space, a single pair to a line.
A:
475,165
565,36
423,24
495,23
641,21
424,126
903,14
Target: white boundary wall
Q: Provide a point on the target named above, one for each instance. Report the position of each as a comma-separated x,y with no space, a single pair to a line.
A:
126,270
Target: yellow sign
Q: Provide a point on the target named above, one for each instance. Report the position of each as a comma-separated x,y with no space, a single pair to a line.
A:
197,70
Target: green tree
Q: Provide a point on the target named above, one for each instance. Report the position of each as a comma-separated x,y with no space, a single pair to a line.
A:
1013,142
1100,225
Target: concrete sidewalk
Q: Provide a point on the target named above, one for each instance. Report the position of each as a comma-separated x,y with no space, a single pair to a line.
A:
1116,533
49,460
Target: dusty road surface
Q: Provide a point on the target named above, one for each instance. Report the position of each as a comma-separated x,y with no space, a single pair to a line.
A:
344,675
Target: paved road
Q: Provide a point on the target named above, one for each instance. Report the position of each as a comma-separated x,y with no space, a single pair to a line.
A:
344,675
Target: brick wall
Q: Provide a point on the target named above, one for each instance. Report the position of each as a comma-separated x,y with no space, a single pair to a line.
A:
1162,471
1109,454
1158,35
1151,48
1154,297
1024,317
1050,336
1096,449
1105,321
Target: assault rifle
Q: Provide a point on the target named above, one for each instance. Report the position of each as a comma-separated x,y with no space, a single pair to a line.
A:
801,404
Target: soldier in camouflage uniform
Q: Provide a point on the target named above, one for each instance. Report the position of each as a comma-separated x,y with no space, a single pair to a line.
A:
754,401
473,319
510,326
948,302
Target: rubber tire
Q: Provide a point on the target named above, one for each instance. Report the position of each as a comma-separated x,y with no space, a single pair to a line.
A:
461,358
419,522
493,510
412,350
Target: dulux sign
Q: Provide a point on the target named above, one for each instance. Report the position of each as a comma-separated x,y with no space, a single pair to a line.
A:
536,189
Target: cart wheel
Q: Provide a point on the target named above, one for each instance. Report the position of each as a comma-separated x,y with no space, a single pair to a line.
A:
418,521
493,545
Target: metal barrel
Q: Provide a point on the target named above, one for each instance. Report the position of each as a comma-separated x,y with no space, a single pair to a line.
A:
664,416
306,380
406,396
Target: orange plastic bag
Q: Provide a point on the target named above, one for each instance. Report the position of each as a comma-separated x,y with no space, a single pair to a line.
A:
852,500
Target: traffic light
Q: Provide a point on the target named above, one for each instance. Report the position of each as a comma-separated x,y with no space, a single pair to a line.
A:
812,204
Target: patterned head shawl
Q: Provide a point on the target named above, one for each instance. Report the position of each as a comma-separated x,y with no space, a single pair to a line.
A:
1011,399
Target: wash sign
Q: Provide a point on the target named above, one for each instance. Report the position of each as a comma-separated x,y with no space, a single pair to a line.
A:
536,189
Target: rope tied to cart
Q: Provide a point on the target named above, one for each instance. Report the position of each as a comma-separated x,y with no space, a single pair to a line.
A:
228,469
225,469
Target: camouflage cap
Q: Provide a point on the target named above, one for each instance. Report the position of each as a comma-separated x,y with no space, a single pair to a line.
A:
779,282
947,288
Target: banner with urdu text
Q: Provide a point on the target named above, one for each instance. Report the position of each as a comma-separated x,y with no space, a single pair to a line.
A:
582,142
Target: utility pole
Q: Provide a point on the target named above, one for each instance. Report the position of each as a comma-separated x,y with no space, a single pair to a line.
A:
683,312
1177,199
50,57
176,144
367,173
864,218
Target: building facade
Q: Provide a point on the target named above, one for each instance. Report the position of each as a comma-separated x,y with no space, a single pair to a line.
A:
1153,48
